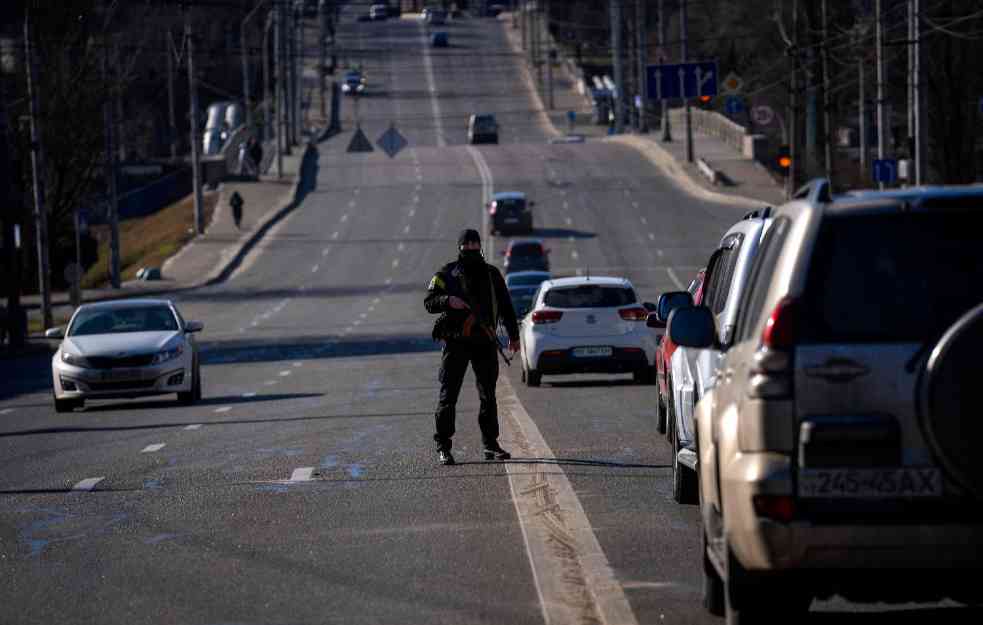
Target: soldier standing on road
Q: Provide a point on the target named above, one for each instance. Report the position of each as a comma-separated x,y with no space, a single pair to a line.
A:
236,203
471,298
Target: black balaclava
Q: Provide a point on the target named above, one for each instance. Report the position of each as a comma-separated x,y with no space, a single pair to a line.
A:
470,258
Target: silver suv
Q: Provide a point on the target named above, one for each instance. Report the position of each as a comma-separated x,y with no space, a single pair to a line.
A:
825,466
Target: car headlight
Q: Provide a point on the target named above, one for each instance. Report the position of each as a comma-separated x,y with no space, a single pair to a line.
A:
168,354
74,359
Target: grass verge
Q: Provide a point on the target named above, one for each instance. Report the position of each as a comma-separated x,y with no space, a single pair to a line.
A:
147,241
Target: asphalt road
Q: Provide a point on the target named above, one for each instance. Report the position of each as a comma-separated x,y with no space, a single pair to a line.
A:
303,488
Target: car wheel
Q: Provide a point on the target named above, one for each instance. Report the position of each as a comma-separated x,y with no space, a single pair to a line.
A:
67,405
660,413
640,376
749,600
188,398
198,390
533,378
713,586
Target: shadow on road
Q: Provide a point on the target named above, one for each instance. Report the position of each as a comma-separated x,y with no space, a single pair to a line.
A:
914,616
207,401
26,374
563,233
591,383
313,347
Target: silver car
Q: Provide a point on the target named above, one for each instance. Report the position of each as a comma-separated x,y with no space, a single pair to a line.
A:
125,349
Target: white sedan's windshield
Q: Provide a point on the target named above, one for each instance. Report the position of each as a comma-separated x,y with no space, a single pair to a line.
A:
119,320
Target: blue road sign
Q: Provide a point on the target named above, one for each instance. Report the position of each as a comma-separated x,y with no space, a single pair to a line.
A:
734,105
886,171
682,80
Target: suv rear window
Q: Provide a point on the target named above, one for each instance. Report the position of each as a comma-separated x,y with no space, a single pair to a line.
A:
892,277
511,204
589,296
526,249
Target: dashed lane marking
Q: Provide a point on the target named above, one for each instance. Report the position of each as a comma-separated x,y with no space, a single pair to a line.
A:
303,474
88,483
315,268
651,237
395,263
193,426
357,322
412,213
356,190
363,315
574,255
675,279
344,218
406,229
566,204
660,253
270,382
645,220
284,374
325,251
389,281
352,204
223,409
568,221
149,449
376,301
634,204
334,235
296,364
400,247
6,411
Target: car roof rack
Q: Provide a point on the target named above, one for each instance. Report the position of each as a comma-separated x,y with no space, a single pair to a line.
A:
816,191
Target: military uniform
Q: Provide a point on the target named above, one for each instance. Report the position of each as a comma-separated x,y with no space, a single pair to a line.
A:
469,337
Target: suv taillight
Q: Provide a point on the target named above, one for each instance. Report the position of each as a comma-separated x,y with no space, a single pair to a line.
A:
492,207
546,316
771,374
634,314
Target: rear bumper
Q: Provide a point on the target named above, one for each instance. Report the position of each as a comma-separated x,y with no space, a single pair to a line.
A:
623,360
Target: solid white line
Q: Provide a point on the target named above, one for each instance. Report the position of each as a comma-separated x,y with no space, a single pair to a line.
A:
438,118
675,279
302,474
149,449
193,426
568,525
88,483
223,409
6,411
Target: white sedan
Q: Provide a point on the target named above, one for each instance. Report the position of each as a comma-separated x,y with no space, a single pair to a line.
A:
587,325
123,349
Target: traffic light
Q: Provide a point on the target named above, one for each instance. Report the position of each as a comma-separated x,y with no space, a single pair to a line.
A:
784,158
705,99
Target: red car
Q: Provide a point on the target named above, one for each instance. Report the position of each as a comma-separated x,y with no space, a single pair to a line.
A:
668,302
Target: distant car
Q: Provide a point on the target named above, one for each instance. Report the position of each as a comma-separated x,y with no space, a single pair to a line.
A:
379,12
526,255
436,16
494,10
522,287
354,83
439,39
586,325
510,211
482,128
124,349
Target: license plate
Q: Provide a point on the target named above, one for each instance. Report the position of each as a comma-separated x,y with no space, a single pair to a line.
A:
511,220
870,483
120,374
592,352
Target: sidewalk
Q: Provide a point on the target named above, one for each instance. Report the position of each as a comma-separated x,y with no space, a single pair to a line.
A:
751,185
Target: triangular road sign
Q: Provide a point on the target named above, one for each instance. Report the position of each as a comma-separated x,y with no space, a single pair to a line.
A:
391,142
359,142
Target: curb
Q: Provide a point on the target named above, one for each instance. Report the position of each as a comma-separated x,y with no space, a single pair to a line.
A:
658,156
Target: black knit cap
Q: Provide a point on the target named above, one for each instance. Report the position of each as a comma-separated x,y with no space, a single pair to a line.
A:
468,236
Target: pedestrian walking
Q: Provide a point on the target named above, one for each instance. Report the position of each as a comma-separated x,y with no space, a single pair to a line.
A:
236,203
472,300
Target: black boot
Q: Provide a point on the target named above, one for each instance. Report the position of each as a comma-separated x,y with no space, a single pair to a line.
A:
496,453
444,457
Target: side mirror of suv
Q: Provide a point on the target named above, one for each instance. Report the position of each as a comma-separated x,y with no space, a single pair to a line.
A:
692,326
653,321
670,301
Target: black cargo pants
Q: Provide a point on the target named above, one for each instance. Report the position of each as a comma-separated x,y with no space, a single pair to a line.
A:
453,365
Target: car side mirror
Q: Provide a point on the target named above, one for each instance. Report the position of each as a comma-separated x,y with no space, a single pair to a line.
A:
649,306
55,333
194,326
670,301
653,321
693,326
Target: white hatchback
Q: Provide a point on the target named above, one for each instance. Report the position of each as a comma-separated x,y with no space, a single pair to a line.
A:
587,325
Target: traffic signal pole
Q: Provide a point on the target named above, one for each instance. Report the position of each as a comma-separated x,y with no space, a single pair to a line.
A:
684,36
881,122
37,166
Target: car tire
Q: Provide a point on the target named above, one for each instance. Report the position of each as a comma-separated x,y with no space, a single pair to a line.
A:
660,413
533,378
750,601
187,398
68,405
713,585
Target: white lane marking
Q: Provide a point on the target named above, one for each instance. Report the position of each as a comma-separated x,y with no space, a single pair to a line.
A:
334,235
223,409
315,268
193,426
651,237
400,247
412,213
569,221
352,204
675,279
88,483
438,118
406,229
419,187
389,281
645,220
487,184
249,394
376,301
634,204
574,255
6,411
627,192
566,204
357,322
297,364
270,382
344,218
659,253
303,474
549,512
356,190
395,263
149,449
284,374
363,315
416,199
325,251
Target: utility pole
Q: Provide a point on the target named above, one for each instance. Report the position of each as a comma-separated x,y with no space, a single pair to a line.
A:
297,66
195,158
10,188
827,117
641,30
279,64
171,116
267,95
322,66
112,208
616,61
684,36
791,180
550,57
862,122
879,35
37,166
666,131
246,92
916,96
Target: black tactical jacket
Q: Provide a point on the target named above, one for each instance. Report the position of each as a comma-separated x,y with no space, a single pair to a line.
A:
489,298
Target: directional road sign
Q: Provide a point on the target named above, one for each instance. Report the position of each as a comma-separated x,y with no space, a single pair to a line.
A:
734,105
391,142
682,80
360,143
886,170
